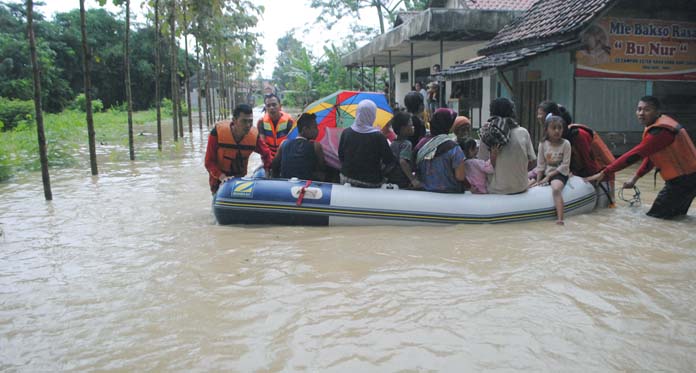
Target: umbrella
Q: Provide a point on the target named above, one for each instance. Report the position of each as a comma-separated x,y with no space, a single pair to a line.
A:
337,110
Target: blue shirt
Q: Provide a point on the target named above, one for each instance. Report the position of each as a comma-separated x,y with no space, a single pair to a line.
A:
437,174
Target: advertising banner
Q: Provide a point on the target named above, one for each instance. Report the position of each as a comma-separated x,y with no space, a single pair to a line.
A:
638,49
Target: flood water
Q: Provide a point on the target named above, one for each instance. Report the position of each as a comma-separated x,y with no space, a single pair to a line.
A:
128,271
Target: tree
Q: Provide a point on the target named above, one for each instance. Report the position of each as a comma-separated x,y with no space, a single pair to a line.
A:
37,103
126,76
172,67
15,63
88,91
185,26
333,10
158,73
288,49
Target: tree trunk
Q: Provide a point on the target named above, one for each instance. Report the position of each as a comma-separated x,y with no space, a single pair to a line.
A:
222,103
87,58
37,103
200,90
178,89
186,73
211,87
381,16
172,67
208,99
158,73
129,99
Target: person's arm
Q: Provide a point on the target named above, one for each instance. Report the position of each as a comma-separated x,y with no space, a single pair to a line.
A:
493,157
265,152
319,173
541,165
211,157
319,151
459,168
484,152
342,146
277,162
259,127
487,167
564,167
582,144
531,157
386,153
408,171
655,140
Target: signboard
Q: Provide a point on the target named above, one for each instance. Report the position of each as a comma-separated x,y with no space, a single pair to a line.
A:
638,49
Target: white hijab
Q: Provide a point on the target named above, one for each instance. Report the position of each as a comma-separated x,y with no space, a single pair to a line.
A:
365,117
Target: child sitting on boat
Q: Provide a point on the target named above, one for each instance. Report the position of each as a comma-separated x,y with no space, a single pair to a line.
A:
301,157
477,169
553,164
402,175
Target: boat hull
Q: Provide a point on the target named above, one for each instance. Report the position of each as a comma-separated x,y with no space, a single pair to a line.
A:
263,201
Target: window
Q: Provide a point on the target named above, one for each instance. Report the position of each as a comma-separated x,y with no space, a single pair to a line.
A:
403,77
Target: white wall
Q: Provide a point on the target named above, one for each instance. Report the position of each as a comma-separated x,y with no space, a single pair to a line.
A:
449,58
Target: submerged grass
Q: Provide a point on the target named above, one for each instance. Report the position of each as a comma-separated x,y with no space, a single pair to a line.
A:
66,135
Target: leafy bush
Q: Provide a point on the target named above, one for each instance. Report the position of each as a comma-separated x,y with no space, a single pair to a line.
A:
80,103
14,111
167,107
120,108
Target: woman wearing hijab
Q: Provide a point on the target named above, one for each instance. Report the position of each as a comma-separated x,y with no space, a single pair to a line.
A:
363,150
440,161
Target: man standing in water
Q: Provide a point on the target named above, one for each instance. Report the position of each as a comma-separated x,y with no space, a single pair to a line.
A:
275,125
230,144
667,146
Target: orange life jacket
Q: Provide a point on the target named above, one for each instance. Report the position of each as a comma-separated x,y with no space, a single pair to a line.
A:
679,158
599,151
233,156
274,135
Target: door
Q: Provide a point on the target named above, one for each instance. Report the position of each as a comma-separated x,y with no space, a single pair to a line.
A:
528,95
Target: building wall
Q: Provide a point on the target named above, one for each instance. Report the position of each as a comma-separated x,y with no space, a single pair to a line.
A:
449,58
558,70
608,106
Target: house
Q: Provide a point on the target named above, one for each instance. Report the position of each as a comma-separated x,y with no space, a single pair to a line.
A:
596,57
445,33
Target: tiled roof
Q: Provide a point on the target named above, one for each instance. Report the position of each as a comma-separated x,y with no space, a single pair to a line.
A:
501,59
499,4
546,20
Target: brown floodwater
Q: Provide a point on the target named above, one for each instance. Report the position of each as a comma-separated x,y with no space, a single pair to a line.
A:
128,271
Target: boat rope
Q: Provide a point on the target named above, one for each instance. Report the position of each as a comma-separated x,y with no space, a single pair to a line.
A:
608,194
300,196
633,201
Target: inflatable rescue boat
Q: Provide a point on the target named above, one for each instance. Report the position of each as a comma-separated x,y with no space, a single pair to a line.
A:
300,202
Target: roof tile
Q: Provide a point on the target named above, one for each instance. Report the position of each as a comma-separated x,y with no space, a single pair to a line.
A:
499,4
544,20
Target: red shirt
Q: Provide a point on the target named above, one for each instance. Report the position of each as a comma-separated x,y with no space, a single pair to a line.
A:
655,140
211,158
581,163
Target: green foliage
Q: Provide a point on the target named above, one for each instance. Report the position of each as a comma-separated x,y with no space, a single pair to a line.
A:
386,10
66,140
59,47
12,112
80,104
166,106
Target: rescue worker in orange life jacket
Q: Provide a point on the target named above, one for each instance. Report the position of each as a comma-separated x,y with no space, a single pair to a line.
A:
229,146
275,125
667,146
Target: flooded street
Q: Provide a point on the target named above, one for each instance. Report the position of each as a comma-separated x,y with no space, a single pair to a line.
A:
128,271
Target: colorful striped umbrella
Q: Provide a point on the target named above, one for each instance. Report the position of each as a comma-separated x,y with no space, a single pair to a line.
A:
338,110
